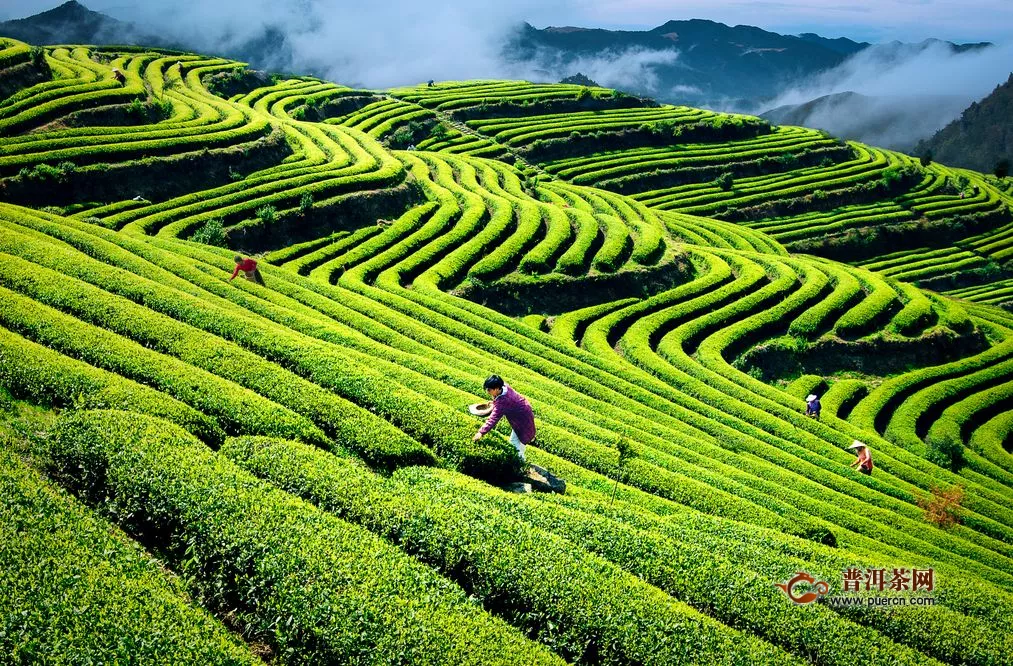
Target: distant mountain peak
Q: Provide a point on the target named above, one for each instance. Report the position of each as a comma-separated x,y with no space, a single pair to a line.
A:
566,29
68,11
73,23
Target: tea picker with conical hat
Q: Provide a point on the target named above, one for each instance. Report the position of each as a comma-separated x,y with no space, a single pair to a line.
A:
863,461
813,407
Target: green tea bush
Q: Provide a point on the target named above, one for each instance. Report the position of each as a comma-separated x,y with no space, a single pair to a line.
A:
257,554
76,590
574,602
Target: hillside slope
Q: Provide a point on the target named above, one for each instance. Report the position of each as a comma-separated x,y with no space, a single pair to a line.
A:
891,122
299,455
73,23
981,138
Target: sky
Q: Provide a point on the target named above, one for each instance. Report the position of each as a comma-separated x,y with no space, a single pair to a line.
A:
863,20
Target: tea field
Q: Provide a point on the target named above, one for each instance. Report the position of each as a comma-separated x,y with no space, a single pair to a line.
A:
199,470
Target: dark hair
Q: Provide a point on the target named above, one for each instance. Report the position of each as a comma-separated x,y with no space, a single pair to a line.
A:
494,382
238,258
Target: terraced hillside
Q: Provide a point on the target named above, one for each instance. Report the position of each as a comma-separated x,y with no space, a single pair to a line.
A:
195,470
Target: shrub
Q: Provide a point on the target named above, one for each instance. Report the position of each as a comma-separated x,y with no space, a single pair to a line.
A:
33,372
946,450
439,132
942,505
1001,169
211,232
267,214
926,158
378,441
45,173
725,181
38,56
137,109
237,410
305,203
626,453
408,133
583,94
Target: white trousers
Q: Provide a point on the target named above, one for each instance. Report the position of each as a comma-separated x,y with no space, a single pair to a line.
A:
518,444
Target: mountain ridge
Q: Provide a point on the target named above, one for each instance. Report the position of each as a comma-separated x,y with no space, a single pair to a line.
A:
717,64
981,138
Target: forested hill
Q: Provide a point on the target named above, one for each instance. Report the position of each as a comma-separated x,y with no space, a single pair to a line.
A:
713,64
982,138
73,23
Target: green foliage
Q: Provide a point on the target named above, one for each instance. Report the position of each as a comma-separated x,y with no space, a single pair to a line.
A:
77,591
725,181
626,453
211,232
305,203
33,372
43,173
254,552
38,56
439,132
695,484
267,214
946,450
591,603
137,109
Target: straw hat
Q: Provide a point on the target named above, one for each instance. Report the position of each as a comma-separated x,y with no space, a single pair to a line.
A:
480,408
810,398
857,445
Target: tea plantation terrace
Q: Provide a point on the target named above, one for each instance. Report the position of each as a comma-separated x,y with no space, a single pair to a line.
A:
224,472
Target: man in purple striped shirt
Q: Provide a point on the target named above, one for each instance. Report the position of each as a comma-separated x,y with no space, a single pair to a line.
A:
517,410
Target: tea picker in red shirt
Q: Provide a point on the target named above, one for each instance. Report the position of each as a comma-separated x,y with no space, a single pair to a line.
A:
517,410
249,268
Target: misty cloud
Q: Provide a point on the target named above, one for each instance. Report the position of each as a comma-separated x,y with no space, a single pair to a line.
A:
631,69
377,44
910,91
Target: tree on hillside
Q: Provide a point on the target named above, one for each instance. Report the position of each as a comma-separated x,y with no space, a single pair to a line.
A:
982,135
1001,169
579,79
725,181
